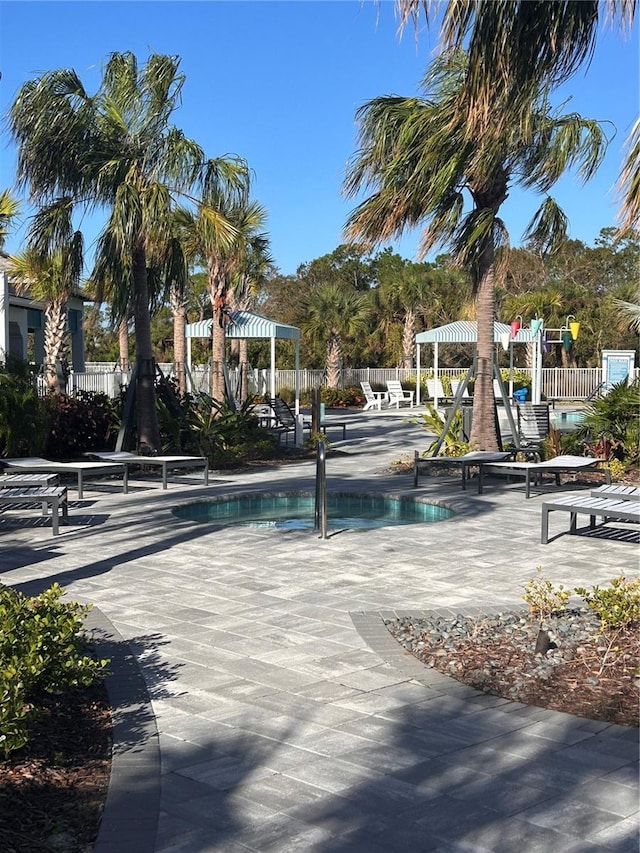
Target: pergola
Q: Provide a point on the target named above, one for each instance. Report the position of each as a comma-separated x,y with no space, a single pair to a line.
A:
466,332
244,324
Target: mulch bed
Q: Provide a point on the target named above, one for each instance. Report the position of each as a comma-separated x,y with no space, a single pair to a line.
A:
52,792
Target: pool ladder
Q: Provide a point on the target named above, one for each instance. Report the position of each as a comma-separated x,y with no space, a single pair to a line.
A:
321,490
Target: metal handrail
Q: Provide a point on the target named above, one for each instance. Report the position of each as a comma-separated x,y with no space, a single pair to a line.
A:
321,490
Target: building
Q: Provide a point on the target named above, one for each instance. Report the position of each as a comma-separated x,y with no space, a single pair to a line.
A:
22,323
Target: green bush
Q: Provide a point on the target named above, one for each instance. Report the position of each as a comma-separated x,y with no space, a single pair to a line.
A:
454,443
226,435
611,425
617,606
42,650
24,423
85,422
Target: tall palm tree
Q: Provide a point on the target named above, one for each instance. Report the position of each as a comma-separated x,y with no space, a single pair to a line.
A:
213,235
114,151
254,269
424,168
334,314
52,281
517,47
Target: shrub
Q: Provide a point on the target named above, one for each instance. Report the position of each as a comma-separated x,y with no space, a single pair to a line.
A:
545,599
454,443
227,435
616,607
24,423
85,422
42,650
611,425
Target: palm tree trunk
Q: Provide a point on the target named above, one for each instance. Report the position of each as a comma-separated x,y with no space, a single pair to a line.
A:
147,417
55,344
483,429
123,345
217,292
244,369
334,353
179,309
408,339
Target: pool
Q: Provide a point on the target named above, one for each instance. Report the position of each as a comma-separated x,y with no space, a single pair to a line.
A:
295,511
567,421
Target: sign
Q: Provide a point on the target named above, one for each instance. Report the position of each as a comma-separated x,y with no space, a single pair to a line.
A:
617,366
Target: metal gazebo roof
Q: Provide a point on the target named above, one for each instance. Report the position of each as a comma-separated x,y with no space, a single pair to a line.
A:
244,324
466,332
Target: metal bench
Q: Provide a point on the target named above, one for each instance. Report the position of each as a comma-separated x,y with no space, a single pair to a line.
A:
48,496
469,460
605,508
12,481
617,492
534,471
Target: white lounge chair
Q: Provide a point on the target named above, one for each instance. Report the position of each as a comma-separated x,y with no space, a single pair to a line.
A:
617,492
37,465
605,508
534,471
437,392
375,399
165,463
455,384
397,394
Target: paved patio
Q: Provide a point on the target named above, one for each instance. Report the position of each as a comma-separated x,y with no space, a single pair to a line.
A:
282,716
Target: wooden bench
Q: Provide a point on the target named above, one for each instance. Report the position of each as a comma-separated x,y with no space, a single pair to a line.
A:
606,508
48,496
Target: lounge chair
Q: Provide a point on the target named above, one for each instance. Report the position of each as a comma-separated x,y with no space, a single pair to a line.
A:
535,470
470,460
455,384
37,465
533,427
435,389
375,399
165,463
617,492
605,508
45,496
397,394
282,420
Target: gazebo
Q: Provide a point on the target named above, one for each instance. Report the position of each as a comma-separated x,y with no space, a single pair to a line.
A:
466,332
244,324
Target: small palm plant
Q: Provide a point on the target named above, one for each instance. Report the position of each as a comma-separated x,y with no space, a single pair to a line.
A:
611,425
453,443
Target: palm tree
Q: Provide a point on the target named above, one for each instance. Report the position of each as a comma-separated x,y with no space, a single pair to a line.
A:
518,47
213,235
423,167
52,281
9,208
114,151
254,269
334,314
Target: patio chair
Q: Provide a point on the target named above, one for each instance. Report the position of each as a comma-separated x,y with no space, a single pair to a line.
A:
606,508
397,394
534,471
37,465
533,427
283,419
436,390
45,496
375,399
455,384
474,458
165,463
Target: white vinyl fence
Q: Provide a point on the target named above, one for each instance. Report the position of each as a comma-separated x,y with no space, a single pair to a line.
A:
558,383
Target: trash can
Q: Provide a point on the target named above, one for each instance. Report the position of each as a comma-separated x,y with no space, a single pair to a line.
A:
520,395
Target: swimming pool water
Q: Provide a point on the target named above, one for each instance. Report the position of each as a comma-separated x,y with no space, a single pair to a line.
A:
296,511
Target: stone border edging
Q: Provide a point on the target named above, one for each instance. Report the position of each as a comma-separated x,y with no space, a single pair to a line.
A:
129,820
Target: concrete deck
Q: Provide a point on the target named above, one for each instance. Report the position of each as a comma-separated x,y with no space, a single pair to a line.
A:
282,715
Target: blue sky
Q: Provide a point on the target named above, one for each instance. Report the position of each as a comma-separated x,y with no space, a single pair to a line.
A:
279,83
